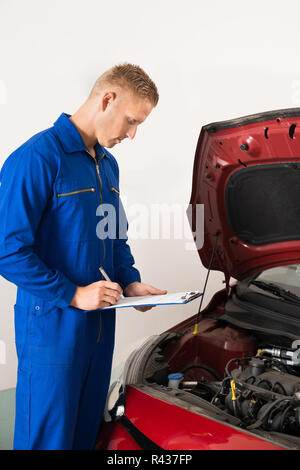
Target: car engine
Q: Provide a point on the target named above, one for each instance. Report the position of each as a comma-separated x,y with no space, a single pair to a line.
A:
260,387
262,392
234,371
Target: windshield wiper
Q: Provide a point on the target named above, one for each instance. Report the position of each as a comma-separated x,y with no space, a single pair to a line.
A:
276,290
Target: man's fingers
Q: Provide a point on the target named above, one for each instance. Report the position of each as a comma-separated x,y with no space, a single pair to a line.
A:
154,290
113,292
111,285
109,299
144,309
104,304
115,295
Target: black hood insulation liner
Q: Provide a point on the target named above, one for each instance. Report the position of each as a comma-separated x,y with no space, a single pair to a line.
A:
263,203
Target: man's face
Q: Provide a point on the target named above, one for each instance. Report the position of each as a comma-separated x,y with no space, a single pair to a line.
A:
119,115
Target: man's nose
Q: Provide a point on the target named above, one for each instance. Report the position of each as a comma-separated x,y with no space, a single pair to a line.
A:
131,133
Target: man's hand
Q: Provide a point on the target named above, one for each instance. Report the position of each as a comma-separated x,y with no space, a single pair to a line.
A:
138,288
99,294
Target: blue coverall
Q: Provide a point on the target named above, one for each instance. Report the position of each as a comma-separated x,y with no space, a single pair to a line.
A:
50,189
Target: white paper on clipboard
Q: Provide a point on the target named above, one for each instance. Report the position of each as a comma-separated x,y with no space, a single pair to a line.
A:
176,298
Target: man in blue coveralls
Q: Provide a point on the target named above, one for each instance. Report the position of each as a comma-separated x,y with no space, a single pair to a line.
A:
52,189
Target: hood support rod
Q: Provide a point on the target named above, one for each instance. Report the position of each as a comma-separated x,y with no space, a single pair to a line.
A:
205,284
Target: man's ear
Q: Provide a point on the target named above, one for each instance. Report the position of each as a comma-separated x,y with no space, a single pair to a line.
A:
107,98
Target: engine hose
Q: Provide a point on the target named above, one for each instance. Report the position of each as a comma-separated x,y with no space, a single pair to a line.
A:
235,359
276,362
265,414
202,366
220,389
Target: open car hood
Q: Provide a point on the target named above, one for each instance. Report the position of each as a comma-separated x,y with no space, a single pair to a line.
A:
247,175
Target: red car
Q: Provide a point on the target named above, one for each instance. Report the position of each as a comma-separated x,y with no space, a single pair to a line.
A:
237,361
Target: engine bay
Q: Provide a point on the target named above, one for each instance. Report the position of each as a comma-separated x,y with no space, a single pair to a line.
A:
243,373
261,392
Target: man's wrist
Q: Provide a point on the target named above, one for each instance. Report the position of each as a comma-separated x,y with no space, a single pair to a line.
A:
74,301
129,287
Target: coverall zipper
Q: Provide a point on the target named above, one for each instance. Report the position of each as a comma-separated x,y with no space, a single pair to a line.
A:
77,192
98,173
114,190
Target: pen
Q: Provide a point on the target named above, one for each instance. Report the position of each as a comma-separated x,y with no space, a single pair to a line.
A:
106,277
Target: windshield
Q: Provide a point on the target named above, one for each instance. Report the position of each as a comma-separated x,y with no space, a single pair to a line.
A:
287,277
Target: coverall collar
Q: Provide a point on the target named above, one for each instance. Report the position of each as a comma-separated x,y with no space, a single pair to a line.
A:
70,138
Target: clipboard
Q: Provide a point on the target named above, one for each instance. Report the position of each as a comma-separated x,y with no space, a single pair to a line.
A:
176,298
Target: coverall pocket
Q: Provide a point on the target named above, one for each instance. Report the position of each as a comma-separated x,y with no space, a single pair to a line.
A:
42,308
78,191
75,211
114,190
57,336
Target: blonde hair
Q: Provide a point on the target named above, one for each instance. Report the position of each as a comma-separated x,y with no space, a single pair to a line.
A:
131,76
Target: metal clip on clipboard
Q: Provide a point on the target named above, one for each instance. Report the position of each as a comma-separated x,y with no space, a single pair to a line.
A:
190,295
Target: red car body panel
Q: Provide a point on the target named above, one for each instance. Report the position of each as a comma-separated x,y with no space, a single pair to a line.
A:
113,436
223,149
174,428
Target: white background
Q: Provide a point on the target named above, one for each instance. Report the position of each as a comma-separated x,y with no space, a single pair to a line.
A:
211,60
